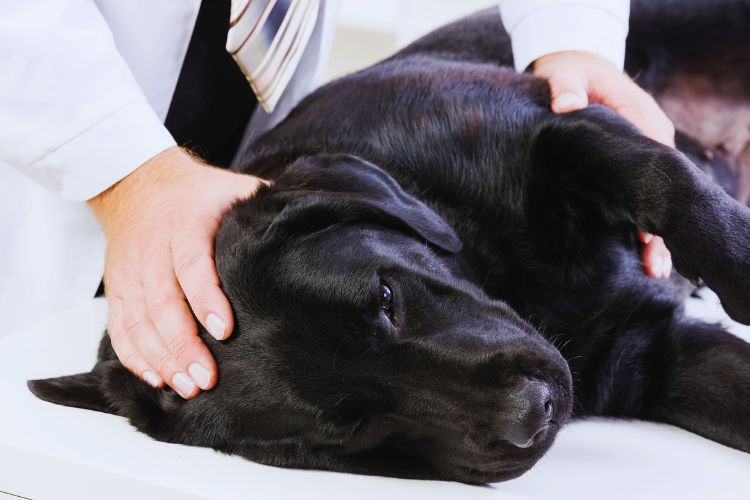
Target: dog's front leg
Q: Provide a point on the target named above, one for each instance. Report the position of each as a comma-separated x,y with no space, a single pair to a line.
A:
594,154
702,383
667,368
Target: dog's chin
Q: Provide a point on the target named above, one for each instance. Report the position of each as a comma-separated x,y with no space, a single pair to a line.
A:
494,472
503,461
488,476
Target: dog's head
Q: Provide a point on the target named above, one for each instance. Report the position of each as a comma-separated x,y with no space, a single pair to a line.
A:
360,343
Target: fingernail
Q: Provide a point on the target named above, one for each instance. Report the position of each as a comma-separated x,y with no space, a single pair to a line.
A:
667,266
200,374
567,101
663,268
183,385
215,326
660,267
151,378
655,267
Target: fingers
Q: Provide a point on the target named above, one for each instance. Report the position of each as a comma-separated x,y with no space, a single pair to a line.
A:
657,261
194,266
170,315
140,330
155,336
638,107
126,351
569,92
575,78
154,350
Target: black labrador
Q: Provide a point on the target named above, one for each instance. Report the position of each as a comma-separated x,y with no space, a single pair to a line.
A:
444,271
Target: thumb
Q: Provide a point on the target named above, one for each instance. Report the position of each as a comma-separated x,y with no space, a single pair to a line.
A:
568,93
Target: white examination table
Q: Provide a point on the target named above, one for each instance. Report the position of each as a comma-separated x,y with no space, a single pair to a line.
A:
49,451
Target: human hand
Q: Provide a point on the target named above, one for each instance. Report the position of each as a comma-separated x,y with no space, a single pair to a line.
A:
575,78
160,222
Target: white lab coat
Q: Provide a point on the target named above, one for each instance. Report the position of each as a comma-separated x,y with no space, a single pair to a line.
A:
85,87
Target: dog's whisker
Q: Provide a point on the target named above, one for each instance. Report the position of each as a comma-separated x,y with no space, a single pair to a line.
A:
342,399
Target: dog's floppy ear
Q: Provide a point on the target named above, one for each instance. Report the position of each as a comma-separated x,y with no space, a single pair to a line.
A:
82,390
344,188
111,388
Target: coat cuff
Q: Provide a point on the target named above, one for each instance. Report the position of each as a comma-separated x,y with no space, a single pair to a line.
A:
556,28
104,153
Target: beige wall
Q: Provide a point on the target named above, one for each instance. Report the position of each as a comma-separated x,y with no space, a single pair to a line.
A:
369,30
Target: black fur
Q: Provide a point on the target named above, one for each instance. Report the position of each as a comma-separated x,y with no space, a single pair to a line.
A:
506,236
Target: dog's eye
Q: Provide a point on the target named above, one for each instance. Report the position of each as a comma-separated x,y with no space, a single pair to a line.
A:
386,299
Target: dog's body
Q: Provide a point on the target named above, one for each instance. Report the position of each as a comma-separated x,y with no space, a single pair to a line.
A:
394,327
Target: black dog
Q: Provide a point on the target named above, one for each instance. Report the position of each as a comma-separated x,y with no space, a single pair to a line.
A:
433,232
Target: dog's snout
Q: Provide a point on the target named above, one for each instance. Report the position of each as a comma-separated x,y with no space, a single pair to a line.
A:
532,407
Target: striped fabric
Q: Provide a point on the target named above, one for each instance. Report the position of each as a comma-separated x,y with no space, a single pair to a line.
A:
266,39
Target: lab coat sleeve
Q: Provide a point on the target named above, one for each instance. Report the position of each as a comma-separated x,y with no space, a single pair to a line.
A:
541,27
72,116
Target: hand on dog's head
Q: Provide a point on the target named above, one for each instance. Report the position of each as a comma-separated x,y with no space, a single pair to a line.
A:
360,343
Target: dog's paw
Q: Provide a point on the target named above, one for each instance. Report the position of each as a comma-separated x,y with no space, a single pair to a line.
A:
712,244
727,272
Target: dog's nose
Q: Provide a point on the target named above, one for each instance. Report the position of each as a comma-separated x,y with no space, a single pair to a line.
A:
531,406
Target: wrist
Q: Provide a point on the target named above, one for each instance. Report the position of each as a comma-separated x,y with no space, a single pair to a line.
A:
568,57
173,180
133,189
